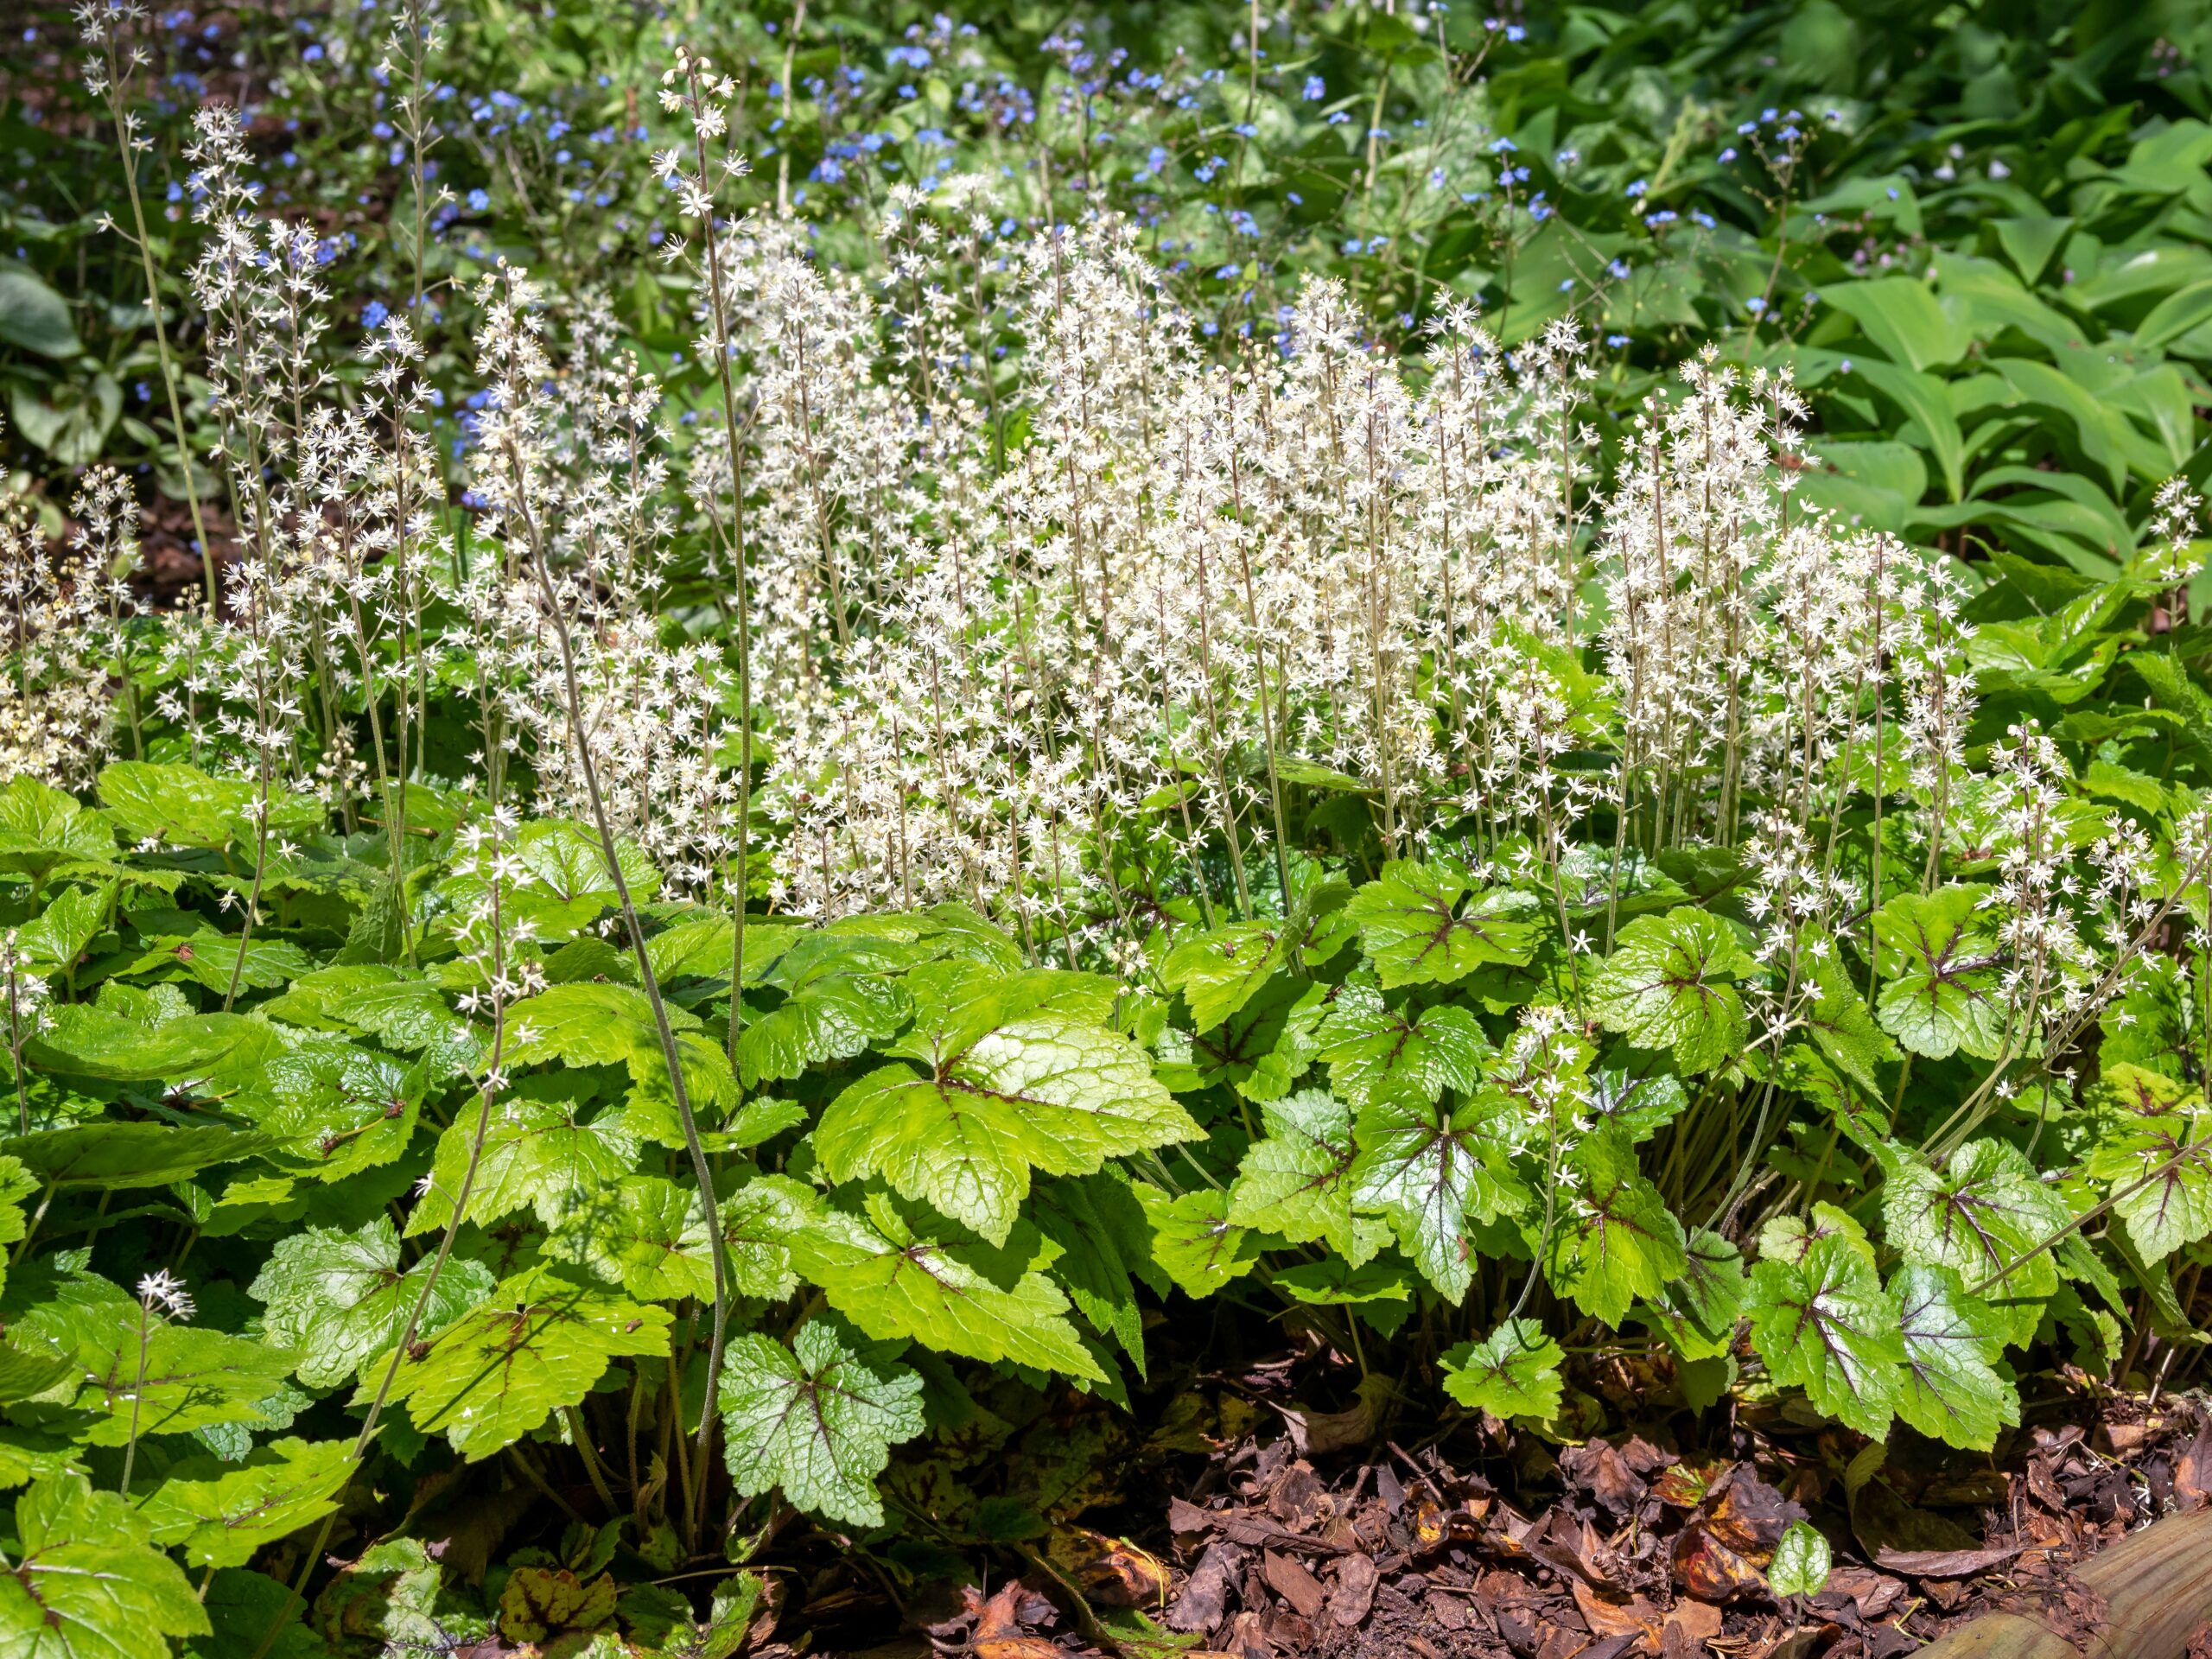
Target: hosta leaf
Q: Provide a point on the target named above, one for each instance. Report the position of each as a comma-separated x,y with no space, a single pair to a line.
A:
1952,1391
595,1024
1013,1081
816,1421
1430,1171
950,1296
2162,1166
1513,1372
1667,986
1698,1309
220,1513
535,1152
1296,1181
1091,1218
644,1233
1420,925
86,1584
1195,1243
1822,1324
339,1299
1984,1212
1369,1046
1613,1239
832,1019
181,1378
1942,990
1219,972
537,1343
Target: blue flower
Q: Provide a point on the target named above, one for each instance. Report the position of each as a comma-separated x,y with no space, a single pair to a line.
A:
479,202
374,313
1315,90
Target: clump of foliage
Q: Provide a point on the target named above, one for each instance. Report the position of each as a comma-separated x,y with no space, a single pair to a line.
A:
905,790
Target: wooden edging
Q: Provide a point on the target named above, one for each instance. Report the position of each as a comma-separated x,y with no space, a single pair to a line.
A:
2157,1585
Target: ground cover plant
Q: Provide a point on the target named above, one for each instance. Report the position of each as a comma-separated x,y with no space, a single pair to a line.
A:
784,768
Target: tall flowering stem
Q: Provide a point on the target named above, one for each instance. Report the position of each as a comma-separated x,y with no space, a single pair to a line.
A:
102,23
707,99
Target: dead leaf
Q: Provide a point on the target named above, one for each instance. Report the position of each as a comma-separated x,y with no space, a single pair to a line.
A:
1288,1578
1204,1599
1637,1615
999,1634
1355,1591
1111,1571
1944,1563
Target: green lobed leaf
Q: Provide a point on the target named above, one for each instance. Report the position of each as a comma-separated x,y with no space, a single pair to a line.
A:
1369,1045
1431,1171
86,1583
220,1514
816,1421
1014,1082
1613,1239
339,1299
1421,924
1941,990
1512,1373
1952,1390
1822,1324
536,1344
1667,986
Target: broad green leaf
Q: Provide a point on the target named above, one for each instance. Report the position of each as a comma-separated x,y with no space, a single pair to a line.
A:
1900,316
1822,1324
536,1344
816,1421
1952,1391
173,805
86,1584
1195,1243
1939,962
53,940
644,1233
1334,1282
1842,1029
112,1155
1091,1219
1613,1239
400,1009
334,1109
339,1299
42,827
1666,985
537,1151
1511,1373
219,1514
1431,1171
1636,1107
1219,972
1925,401
1295,1182
1698,1309
594,1024
952,1297
210,958
145,1376
1801,1559
560,883
1420,924
1012,1083
1371,1047
1984,1212
2159,1171
96,1040
33,316
833,1018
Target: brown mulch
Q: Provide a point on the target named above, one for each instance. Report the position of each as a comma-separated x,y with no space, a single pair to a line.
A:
1617,1547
